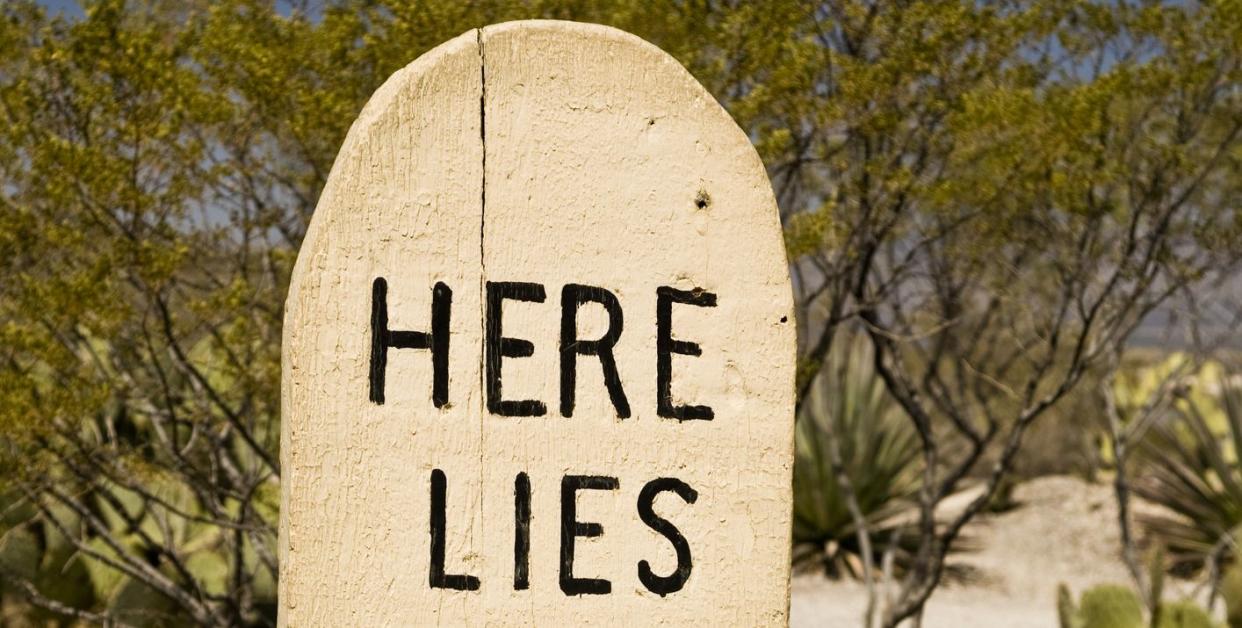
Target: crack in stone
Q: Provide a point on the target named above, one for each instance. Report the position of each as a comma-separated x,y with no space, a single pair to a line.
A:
482,266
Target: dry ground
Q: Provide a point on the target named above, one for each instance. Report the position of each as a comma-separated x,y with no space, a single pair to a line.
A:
1064,530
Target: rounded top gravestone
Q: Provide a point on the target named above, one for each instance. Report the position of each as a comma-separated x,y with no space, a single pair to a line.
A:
539,351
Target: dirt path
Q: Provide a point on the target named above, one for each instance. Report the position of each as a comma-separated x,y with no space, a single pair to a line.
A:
1065,530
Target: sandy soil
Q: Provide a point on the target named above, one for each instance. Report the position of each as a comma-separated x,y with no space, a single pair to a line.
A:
1064,530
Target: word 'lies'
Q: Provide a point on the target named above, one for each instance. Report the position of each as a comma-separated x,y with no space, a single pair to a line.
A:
571,528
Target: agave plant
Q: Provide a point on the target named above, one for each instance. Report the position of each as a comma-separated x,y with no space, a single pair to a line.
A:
34,549
72,535
878,452
1194,473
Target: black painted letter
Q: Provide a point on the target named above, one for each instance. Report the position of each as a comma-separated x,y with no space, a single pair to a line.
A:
521,532
666,346
663,585
499,347
439,579
438,340
573,296
572,528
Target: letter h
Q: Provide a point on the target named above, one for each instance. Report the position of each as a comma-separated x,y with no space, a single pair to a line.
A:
438,340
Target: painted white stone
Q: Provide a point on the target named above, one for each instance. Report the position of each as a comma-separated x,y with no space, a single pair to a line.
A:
550,153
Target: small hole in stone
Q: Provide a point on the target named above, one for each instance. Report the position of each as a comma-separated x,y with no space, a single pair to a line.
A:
784,319
702,200
650,121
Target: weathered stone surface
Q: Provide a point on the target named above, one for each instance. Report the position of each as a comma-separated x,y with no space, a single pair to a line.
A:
547,153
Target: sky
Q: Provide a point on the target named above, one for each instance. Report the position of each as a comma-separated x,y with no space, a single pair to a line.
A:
73,9
68,7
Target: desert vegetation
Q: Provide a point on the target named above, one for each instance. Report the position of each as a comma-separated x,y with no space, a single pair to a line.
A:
1012,229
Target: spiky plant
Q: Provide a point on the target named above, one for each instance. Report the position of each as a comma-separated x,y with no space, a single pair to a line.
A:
1231,593
1118,606
1194,473
1110,606
878,452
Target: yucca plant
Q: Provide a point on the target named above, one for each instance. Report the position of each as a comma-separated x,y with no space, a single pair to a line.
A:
878,452
1193,472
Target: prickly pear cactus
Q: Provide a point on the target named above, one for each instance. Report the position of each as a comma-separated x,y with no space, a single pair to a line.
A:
1231,592
1184,614
1155,575
1109,606
1117,606
1065,607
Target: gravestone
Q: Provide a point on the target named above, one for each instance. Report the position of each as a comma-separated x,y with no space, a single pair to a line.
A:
539,351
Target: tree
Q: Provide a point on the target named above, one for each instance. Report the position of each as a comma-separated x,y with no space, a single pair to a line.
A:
158,166
992,194
1013,189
